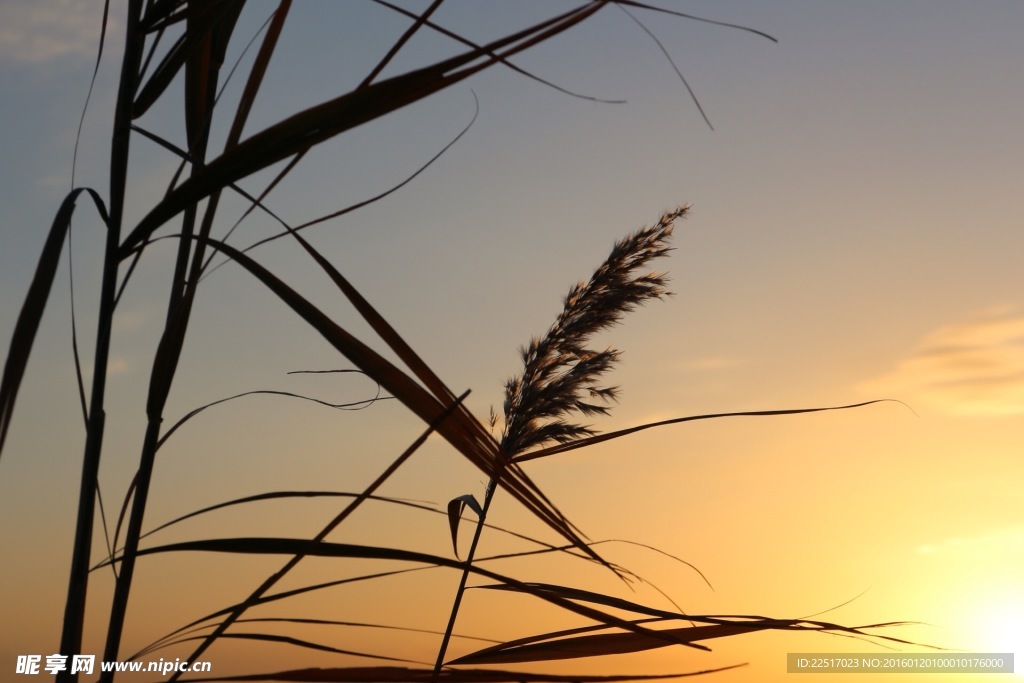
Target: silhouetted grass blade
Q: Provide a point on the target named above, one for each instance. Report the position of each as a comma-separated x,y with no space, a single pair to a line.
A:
462,430
303,547
590,441
455,508
35,303
312,126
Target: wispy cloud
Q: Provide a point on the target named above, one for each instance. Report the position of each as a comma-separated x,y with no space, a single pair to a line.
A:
975,367
1004,541
707,364
37,32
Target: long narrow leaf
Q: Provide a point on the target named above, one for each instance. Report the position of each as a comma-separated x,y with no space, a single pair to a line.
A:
354,405
570,593
303,547
258,71
462,39
590,441
555,646
276,495
271,580
606,644
35,303
168,639
462,430
298,642
312,126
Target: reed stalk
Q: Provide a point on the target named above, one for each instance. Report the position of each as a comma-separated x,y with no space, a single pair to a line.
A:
563,377
74,612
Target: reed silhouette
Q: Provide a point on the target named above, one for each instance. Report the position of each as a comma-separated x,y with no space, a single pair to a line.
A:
562,377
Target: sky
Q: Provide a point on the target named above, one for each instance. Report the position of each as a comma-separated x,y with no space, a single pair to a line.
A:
855,234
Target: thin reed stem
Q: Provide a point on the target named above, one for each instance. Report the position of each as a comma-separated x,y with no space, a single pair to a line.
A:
560,375
74,610
442,651
269,583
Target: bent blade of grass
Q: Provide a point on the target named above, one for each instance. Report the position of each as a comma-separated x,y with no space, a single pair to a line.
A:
455,508
313,548
693,17
326,622
307,644
565,644
23,338
546,548
161,14
360,204
214,23
361,624
270,581
273,496
463,431
570,593
604,644
167,639
258,71
310,127
468,43
353,405
398,44
204,41
592,440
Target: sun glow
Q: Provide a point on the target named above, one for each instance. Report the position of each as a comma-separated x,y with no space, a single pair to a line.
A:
996,625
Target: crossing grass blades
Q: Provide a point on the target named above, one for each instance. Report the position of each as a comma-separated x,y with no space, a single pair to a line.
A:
563,379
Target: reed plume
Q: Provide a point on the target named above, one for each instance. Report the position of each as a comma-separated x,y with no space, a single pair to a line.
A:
561,376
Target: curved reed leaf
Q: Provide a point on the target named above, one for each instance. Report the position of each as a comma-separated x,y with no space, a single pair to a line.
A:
398,44
257,73
604,644
260,497
570,593
365,202
455,508
468,43
303,547
672,62
589,441
168,639
36,298
298,642
463,431
314,125
354,405
270,581
693,17
317,622
205,41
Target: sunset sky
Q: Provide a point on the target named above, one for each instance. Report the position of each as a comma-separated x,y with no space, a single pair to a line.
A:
856,233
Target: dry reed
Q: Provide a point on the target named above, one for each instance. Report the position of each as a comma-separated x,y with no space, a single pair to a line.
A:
561,376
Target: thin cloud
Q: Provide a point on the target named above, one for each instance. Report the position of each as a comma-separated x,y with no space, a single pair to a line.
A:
708,364
1005,541
971,368
34,32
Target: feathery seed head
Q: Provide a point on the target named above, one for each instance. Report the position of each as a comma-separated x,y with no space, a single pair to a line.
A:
561,376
